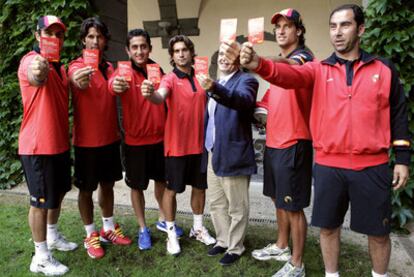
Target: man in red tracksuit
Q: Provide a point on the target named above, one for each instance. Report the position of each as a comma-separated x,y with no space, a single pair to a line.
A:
358,112
288,159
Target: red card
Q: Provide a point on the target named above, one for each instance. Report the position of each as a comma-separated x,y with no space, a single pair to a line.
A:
201,65
154,73
256,30
50,48
228,29
125,70
91,58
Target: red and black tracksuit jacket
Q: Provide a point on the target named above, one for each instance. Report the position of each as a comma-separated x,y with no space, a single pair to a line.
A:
358,108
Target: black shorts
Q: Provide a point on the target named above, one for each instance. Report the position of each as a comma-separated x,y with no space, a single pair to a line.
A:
368,191
97,164
47,177
143,163
288,175
185,170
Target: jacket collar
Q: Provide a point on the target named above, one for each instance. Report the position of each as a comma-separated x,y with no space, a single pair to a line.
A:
363,56
183,75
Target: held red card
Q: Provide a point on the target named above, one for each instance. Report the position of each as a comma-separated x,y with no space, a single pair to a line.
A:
256,30
125,70
50,48
228,29
154,73
91,58
201,65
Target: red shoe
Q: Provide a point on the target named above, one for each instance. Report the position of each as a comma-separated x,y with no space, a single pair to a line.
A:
115,237
93,246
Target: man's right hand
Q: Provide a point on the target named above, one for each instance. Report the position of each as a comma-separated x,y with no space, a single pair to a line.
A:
39,68
120,85
147,89
82,77
231,50
248,57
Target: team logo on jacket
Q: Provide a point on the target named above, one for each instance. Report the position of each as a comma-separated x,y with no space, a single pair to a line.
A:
329,80
375,78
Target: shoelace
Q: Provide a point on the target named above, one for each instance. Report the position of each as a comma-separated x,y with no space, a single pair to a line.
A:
113,235
94,242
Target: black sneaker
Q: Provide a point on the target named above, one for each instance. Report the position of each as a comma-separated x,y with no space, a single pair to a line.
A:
229,259
216,250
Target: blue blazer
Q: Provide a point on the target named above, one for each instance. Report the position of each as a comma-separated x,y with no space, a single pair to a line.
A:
233,153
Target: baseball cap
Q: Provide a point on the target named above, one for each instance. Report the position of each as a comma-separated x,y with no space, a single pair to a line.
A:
46,21
290,14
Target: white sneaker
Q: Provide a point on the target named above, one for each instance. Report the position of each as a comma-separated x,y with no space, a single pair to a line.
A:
48,266
61,244
202,235
271,251
173,246
289,270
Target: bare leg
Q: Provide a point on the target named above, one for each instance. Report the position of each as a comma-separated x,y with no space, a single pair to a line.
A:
159,193
37,222
138,203
169,203
298,228
283,228
106,198
379,248
330,246
85,205
198,199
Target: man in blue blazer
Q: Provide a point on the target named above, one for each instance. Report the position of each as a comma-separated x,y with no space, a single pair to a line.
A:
229,155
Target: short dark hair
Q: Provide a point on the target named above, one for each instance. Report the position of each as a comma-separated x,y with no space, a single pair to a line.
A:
138,33
94,22
357,10
188,43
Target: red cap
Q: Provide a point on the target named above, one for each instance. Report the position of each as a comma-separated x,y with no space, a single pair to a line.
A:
290,14
46,21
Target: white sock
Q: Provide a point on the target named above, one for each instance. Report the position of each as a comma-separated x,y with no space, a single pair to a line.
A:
171,228
374,274
89,229
197,221
52,232
336,274
108,223
41,250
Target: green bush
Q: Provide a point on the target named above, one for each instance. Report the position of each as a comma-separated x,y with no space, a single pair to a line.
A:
390,33
18,21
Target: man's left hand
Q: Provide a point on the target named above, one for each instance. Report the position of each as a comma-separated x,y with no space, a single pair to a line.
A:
400,177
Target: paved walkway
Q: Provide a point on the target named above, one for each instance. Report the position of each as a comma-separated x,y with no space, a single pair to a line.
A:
262,212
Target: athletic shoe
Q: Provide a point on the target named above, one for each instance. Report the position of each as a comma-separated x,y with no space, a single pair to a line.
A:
271,251
162,226
61,244
115,237
144,239
93,246
229,259
48,266
202,235
216,250
289,270
173,246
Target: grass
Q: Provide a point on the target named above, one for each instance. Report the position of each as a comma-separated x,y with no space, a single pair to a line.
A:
16,251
